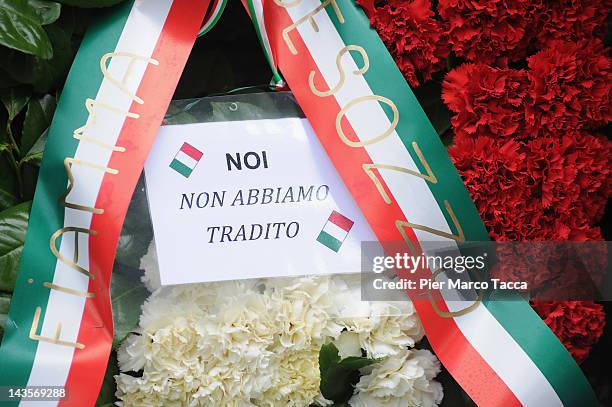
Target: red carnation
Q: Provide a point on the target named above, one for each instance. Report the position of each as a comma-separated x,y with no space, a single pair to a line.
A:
488,101
577,324
532,190
572,175
368,7
571,20
413,37
497,178
553,270
488,30
570,87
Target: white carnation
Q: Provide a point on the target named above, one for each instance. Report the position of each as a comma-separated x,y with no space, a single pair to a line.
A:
297,382
132,353
403,380
148,263
229,344
348,344
253,343
305,309
389,328
214,350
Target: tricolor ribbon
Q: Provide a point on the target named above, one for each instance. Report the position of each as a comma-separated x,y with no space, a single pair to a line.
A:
395,166
60,328
212,16
59,331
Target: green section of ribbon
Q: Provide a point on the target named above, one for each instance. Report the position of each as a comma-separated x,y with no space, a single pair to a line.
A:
385,79
209,25
38,263
545,350
515,314
277,78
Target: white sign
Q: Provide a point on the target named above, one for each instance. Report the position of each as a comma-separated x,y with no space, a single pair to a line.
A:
246,199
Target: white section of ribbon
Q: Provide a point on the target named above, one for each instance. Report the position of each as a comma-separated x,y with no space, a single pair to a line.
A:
258,7
415,199
213,18
140,34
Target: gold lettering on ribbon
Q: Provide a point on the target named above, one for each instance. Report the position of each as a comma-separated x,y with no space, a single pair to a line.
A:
399,224
71,263
310,18
374,139
451,314
368,168
459,237
122,84
359,71
68,161
289,4
56,338
429,176
90,105
67,290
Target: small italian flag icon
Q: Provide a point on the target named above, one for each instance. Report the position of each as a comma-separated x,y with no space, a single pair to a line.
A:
186,160
334,231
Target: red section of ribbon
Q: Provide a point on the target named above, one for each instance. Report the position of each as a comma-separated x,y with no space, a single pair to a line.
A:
211,11
137,135
457,354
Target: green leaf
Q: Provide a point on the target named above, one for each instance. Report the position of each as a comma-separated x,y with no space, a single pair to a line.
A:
47,11
48,73
328,356
43,74
90,3
13,226
14,99
7,199
339,376
356,362
35,154
127,296
37,120
106,397
29,178
338,384
21,24
8,192
7,196
5,301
